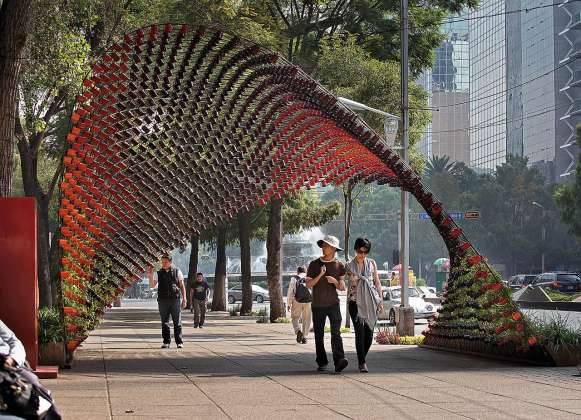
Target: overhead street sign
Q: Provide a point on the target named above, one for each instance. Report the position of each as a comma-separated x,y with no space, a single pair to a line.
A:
456,215
472,215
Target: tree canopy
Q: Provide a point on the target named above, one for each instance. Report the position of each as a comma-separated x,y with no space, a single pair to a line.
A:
568,198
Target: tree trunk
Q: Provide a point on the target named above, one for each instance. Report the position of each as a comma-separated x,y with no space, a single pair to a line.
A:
43,258
274,260
55,254
32,189
193,266
245,262
219,297
14,18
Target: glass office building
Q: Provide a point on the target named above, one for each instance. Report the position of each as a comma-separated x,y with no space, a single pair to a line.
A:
488,106
448,85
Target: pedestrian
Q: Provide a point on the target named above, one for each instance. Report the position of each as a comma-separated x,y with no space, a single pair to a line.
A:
364,297
199,298
325,276
171,298
394,281
299,304
21,393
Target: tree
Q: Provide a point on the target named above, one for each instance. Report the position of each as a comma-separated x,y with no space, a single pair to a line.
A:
379,87
375,25
193,264
439,164
66,34
47,86
274,260
219,296
568,198
245,229
14,19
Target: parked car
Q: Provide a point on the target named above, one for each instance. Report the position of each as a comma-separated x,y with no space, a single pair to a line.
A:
427,292
392,301
519,281
561,281
258,294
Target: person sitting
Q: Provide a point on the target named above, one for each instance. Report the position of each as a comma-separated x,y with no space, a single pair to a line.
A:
15,374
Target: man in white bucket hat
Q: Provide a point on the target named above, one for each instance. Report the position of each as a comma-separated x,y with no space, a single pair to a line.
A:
325,276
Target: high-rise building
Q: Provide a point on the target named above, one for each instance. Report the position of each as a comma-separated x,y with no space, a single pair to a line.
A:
488,107
448,85
526,84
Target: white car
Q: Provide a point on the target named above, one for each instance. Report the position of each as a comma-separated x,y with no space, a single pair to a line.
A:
392,301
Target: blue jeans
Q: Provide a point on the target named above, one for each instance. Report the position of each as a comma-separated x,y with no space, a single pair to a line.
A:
171,307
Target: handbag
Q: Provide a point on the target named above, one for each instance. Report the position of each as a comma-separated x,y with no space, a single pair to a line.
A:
17,395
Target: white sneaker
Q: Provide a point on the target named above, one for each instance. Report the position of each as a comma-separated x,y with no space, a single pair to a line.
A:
165,346
180,346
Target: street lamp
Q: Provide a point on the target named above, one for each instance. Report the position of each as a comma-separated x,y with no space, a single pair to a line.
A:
390,121
390,126
543,234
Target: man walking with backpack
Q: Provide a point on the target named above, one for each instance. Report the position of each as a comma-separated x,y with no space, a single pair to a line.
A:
171,298
299,304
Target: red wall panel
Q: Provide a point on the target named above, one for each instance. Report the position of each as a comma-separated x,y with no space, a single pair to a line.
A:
18,276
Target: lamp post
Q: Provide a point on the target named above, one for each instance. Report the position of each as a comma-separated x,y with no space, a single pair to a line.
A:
390,121
543,234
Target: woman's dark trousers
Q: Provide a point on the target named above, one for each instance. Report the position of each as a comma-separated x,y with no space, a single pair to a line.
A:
363,334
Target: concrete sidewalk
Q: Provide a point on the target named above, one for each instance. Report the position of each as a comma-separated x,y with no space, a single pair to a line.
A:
238,369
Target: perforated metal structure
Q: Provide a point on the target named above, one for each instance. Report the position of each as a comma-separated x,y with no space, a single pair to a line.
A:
180,128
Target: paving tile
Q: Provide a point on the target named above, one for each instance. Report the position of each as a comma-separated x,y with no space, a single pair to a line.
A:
242,370
282,412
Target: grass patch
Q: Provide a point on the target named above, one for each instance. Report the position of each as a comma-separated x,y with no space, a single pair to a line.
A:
343,330
282,320
561,297
234,310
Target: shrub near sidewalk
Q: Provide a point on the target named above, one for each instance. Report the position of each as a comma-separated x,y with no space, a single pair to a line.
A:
51,337
389,337
562,342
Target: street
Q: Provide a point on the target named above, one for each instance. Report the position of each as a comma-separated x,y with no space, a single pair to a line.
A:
420,324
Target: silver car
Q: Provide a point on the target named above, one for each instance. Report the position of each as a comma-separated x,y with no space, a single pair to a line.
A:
259,294
392,301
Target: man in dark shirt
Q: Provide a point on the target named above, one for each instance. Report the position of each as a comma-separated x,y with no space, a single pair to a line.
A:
200,290
325,276
171,298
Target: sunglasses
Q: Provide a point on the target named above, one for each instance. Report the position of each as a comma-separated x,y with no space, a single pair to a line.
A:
362,251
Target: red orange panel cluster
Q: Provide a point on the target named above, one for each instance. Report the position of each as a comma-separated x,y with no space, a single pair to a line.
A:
178,129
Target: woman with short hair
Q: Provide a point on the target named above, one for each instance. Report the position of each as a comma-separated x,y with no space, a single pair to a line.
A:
364,298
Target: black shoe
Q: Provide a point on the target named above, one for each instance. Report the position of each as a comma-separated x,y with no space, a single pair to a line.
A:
201,326
299,337
341,364
304,341
322,368
363,368
196,325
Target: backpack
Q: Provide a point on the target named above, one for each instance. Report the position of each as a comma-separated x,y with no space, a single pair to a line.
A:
302,293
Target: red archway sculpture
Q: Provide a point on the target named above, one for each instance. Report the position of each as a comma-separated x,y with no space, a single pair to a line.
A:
179,128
